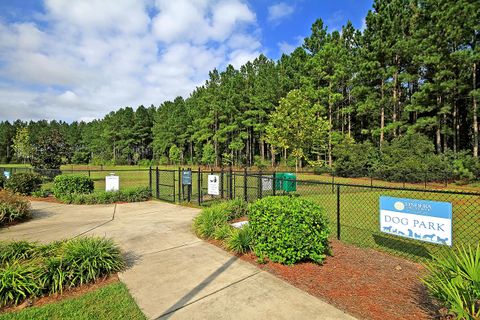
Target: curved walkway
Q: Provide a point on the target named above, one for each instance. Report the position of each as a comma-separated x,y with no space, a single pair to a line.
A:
172,274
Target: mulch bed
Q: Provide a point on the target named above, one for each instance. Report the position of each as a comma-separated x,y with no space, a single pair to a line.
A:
365,283
67,293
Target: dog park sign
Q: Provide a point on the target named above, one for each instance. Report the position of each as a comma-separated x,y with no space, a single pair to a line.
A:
429,221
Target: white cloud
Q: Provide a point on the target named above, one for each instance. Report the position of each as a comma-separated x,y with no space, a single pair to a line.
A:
85,58
335,21
287,48
279,11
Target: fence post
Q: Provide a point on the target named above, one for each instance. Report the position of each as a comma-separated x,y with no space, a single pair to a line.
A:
149,178
260,195
157,183
333,182
199,186
89,175
180,184
221,183
338,214
173,184
231,182
245,194
274,183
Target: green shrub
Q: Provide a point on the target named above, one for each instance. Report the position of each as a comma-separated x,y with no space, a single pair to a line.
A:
240,240
29,269
24,183
235,208
18,282
16,250
454,279
288,229
209,220
319,170
355,159
87,259
222,232
72,184
42,193
13,208
103,197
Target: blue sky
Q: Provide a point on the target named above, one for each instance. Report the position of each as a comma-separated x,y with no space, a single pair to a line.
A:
78,60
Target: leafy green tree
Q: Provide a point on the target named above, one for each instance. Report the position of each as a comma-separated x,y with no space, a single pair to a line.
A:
174,154
21,144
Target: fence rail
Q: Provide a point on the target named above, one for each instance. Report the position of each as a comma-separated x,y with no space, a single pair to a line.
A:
352,209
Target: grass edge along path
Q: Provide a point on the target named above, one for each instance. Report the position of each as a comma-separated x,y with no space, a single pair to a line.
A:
112,301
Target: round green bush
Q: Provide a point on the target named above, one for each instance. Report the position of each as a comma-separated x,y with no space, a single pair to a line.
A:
288,230
72,184
24,183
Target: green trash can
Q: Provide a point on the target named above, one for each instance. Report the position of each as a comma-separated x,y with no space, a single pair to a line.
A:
285,181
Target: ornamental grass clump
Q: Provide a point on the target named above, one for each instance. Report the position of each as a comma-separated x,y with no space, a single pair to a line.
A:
29,270
13,208
288,230
454,280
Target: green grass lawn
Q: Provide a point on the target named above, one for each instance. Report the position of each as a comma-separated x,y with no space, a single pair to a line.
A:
109,302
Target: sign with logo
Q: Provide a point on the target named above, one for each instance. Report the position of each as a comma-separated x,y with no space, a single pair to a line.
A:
423,220
112,183
6,174
267,183
186,177
213,184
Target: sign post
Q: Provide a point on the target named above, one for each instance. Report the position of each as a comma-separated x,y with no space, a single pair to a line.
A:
112,182
187,182
429,221
213,184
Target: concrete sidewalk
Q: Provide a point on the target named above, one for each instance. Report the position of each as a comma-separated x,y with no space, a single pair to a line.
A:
172,274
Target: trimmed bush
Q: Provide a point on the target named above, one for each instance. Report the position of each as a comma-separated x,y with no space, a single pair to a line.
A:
24,183
72,184
289,229
13,208
29,270
454,279
127,195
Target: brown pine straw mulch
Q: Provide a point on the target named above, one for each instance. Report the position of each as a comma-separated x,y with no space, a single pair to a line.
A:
365,283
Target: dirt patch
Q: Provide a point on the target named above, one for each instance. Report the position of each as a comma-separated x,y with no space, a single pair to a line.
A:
50,198
67,293
363,282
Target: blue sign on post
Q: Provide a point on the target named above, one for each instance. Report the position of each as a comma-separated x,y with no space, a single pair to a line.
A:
423,220
6,174
186,177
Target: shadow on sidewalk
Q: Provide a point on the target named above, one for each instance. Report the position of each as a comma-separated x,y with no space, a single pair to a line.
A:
190,295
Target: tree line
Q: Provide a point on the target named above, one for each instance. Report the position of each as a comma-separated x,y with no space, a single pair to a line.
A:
413,70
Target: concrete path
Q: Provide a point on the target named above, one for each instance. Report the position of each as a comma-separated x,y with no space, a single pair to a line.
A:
172,274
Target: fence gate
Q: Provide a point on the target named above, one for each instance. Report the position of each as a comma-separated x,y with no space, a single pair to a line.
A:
162,184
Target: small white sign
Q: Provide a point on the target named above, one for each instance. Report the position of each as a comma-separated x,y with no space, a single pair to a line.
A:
267,183
112,183
213,184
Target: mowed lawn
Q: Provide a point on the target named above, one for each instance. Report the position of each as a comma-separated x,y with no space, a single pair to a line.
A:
112,301
359,206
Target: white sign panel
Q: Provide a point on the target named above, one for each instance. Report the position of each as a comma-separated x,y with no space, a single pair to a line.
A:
213,184
267,184
422,220
112,183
